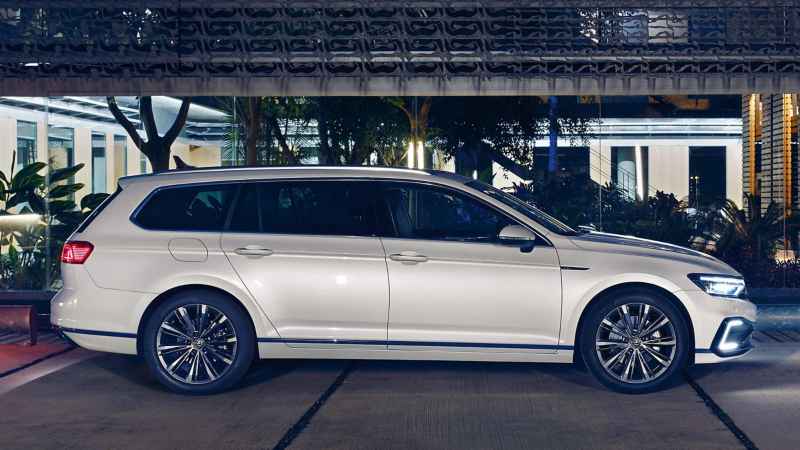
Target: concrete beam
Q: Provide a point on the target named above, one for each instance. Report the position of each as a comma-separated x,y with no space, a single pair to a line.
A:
384,86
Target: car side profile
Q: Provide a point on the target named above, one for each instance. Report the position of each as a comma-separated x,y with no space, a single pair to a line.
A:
203,270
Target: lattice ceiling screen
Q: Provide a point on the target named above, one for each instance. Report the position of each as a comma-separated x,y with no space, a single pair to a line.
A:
203,40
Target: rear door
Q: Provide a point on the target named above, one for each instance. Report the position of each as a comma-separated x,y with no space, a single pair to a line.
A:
309,253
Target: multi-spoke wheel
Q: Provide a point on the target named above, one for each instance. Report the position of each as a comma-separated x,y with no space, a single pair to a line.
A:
635,341
198,343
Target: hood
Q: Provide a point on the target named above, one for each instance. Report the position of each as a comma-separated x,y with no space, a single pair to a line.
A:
615,243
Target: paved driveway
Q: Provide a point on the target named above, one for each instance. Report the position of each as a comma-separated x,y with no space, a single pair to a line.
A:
112,401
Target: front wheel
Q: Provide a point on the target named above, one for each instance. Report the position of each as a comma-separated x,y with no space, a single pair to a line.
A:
635,341
198,343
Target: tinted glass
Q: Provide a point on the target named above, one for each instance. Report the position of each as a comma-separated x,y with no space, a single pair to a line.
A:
530,211
429,213
245,214
325,208
191,208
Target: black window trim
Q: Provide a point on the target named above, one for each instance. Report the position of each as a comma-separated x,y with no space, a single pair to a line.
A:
511,219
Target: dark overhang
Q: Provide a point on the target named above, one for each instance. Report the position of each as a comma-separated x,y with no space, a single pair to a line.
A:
371,47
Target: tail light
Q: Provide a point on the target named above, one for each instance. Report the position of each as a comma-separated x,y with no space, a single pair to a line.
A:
76,252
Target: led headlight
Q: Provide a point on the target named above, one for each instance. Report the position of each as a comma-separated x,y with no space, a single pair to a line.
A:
719,285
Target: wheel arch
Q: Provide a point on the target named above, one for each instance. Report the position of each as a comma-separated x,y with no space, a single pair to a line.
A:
161,298
611,290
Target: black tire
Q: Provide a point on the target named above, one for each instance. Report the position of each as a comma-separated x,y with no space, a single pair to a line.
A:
216,350
634,300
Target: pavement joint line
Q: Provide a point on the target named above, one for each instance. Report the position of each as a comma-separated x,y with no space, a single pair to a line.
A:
301,424
33,363
721,415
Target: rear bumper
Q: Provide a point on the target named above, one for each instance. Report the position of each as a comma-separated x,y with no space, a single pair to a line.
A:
96,318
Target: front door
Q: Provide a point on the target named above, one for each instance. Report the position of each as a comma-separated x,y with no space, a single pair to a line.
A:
454,287
308,253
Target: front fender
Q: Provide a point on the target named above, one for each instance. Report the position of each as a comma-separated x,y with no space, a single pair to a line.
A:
576,303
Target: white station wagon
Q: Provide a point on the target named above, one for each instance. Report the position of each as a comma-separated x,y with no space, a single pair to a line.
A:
204,270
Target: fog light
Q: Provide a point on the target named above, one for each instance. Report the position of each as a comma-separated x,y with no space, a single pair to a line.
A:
729,346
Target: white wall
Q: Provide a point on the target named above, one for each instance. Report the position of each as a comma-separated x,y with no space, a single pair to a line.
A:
733,175
669,169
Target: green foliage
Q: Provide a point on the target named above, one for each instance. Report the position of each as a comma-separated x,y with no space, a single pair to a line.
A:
748,234
28,256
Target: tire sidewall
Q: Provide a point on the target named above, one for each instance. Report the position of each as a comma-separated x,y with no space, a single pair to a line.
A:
603,308
245,338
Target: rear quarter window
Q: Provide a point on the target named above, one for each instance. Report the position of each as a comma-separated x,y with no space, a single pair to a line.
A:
187,208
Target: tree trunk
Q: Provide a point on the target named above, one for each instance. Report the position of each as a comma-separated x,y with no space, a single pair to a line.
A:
156,148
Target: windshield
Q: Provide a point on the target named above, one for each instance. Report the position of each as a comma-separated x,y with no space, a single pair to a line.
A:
529,211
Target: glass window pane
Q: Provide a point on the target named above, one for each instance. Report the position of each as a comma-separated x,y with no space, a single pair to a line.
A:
191,208
120,156
428,213
26,143
325,208
98,163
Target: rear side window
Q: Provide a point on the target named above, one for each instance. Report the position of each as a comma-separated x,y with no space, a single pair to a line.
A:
189,208
315,207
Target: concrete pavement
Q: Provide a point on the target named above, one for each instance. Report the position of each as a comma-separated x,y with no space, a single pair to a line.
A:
112,401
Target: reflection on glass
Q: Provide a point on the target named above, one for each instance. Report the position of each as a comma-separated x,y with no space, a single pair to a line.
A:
98,163
26,144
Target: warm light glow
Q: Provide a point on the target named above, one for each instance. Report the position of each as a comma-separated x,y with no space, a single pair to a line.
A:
639,177
20,218
411,155
420,157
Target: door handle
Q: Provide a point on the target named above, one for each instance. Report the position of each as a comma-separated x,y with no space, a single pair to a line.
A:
408,257
252,250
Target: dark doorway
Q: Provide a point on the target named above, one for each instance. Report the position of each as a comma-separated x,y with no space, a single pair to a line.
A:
707,174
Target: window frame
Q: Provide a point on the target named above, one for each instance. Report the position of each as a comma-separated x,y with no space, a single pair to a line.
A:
382,183
371,223
235,194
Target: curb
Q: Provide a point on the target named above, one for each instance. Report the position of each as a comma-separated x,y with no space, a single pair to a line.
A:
778,317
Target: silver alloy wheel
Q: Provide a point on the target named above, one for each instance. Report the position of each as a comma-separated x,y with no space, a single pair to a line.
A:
196,344
636,343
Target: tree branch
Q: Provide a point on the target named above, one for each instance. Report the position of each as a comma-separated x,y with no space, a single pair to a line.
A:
180,121
126,124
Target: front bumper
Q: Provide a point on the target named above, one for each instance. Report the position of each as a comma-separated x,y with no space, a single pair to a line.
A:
710,316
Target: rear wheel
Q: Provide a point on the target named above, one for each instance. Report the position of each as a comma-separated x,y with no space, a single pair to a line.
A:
198,343
635,341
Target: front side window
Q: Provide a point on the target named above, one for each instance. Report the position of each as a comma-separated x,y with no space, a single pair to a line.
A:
529,211
188,208
422,212
314,207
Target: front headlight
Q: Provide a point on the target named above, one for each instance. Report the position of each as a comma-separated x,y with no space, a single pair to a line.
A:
719,285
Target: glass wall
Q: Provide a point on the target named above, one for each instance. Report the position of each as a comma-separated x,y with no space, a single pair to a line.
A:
98,163
120,156
26,143
657,167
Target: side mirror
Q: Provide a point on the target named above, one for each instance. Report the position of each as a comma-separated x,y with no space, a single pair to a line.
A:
517,236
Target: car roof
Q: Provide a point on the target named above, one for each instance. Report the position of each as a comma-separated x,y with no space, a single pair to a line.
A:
176,176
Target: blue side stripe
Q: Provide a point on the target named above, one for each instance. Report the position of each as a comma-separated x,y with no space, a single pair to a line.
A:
98,333
703,350
420,344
